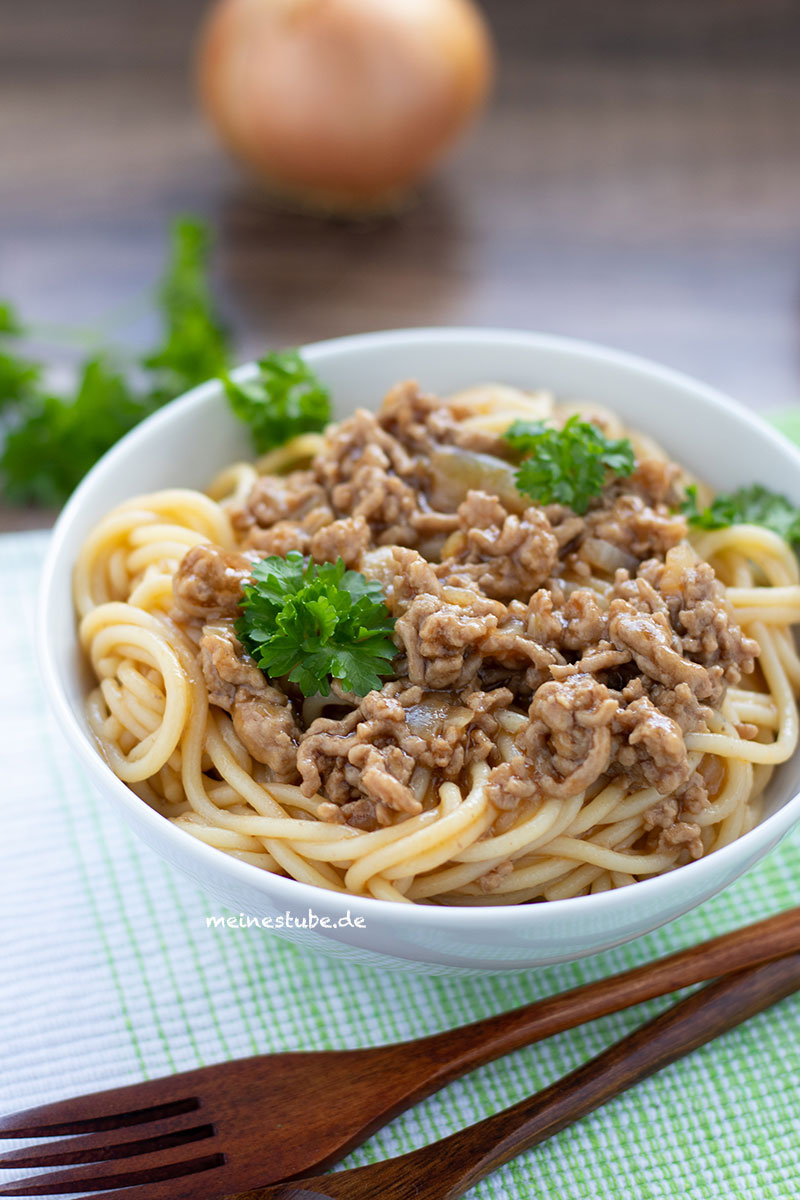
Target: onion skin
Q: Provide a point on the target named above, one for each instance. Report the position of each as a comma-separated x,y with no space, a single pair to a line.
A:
343,104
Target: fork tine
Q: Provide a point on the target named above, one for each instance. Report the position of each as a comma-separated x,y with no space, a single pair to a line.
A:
186,1187
97,1148
113,1109
59,1182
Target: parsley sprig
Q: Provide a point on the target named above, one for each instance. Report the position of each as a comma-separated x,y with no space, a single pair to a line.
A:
567,466
53,439
60,439
195,343
285,399
19,377
316,622
753,505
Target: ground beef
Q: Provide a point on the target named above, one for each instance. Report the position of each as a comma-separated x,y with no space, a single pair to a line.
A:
364,763
451,635
448,631
402,574
275,498
566,525
421,422
208,582
632,520
572,621
408,414
602,627
262,715
375,468
357,442
281,538
346,538
503,554
634,527
653,657
568,741
654,480
679,703
368,473
580,730
700,614
655,648
648,747
442,641
672,832
545,619
225,665
584,620
685,630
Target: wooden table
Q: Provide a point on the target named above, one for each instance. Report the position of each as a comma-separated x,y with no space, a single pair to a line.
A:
635,181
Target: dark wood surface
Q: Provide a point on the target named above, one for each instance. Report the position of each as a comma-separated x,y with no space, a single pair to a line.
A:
636,180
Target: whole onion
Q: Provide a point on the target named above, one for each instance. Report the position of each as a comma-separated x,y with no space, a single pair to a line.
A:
343,103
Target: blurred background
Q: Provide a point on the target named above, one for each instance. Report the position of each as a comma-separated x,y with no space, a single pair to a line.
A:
634,179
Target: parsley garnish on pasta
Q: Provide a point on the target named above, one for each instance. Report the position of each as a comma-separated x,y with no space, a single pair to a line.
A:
753,505
285,399
313,622
567,466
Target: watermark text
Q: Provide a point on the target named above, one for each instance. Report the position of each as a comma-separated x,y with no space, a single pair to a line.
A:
287,920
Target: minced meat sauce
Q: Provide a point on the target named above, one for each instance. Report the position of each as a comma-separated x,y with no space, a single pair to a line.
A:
604,632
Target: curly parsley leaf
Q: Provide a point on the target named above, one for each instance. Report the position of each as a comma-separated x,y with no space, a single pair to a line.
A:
753,505
195,345
316,622
285,399
567,466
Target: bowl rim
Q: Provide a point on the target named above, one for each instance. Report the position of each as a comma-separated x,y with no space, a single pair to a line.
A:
294,893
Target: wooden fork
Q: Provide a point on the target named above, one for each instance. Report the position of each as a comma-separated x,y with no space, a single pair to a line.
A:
446,1169
254,1121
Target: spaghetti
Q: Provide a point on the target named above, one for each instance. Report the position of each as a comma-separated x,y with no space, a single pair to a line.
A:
510,825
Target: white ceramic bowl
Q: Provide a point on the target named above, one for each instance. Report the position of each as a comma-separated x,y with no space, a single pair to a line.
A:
187,442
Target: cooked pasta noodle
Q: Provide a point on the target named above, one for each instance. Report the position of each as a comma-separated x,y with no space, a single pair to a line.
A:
156,722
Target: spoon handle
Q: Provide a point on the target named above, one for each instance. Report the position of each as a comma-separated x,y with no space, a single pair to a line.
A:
459,1161
452,1053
